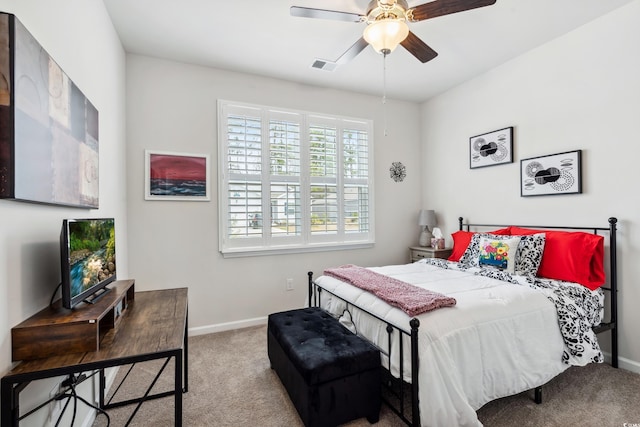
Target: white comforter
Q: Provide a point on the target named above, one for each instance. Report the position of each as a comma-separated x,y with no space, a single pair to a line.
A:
498,340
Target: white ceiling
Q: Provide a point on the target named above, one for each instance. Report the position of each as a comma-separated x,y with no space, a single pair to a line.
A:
260,37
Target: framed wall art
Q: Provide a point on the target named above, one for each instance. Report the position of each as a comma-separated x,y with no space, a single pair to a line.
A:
490,149
176,176
48,128
552,174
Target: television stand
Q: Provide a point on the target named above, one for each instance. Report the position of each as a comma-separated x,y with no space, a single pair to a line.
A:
57,331
154,327
92,299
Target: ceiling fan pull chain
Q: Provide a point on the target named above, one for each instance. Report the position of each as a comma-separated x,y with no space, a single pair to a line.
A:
384,91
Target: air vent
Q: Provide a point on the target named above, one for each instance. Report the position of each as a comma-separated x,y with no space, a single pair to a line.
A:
322,64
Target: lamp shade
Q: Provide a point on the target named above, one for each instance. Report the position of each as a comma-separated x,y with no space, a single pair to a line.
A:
386,34
427,217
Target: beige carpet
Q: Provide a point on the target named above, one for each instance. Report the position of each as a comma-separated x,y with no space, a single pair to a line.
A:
231,384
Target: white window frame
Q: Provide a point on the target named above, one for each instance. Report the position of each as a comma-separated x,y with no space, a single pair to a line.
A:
266,243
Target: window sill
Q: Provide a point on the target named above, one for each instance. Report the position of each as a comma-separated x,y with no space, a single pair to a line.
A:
252,252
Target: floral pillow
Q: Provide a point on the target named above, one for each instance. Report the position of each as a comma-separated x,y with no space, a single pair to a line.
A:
461,240
528,255
470,256
499,253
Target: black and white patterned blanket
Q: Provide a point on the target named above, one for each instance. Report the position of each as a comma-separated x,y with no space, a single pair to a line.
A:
579,309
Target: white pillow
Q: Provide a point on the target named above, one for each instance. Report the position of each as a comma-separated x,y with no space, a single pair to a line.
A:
499,253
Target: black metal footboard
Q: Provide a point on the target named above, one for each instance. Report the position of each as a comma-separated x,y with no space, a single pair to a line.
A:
400,396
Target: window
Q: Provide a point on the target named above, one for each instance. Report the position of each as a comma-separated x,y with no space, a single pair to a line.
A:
292,181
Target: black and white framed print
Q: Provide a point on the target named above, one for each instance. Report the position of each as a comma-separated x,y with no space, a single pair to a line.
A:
552,174
490,149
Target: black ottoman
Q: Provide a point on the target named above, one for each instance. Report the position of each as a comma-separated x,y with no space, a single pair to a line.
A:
332,375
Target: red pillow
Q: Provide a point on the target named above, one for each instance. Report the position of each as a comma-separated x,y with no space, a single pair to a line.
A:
461,240
501,232
571,256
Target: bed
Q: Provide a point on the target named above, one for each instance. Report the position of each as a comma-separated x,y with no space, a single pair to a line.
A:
514,326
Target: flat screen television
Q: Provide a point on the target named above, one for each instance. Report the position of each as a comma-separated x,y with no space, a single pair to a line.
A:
88,259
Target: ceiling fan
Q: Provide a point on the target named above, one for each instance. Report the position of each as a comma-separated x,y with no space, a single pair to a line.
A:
387,24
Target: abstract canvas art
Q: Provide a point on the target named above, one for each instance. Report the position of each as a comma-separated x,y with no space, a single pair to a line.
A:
48,128
176,176
552,174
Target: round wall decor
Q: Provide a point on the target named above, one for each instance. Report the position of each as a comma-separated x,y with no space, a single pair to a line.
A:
397,171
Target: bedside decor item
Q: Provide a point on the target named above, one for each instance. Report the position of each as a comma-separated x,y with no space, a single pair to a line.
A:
426,219
49,129
552,174
176,176
397,171
490,149
437,241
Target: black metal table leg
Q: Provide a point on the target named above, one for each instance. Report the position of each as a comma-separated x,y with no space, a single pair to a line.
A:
178,388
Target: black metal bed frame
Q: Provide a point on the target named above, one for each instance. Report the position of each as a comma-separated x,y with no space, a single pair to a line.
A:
395,386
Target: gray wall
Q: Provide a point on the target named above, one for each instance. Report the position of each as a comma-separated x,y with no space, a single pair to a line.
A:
172,107
79,35
580,91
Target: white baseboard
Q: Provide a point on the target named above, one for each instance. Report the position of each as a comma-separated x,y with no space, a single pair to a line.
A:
629,365
89,419
229,326
623,363
109,377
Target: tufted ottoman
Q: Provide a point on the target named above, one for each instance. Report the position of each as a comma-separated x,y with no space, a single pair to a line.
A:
332,375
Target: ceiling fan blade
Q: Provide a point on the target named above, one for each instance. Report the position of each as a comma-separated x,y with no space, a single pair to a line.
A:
353,51
446,7
418,48
307,12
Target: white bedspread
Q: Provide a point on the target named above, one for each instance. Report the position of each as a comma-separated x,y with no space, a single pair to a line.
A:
498,340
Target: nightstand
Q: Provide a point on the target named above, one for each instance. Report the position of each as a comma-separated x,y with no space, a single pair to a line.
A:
416,253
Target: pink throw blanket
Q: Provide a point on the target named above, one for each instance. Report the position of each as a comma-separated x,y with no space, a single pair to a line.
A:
407,297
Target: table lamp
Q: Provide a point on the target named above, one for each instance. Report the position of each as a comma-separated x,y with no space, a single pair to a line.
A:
426,219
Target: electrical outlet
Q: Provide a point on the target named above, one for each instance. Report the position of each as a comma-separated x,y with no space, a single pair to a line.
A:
55,406
289,284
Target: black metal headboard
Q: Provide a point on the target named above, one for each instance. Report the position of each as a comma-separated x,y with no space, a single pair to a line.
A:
611,325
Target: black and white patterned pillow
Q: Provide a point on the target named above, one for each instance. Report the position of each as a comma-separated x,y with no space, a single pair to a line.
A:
528,256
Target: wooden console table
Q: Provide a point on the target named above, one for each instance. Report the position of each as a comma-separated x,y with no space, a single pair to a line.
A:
154,326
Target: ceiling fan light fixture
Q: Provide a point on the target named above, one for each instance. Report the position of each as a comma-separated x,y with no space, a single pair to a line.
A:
386,34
